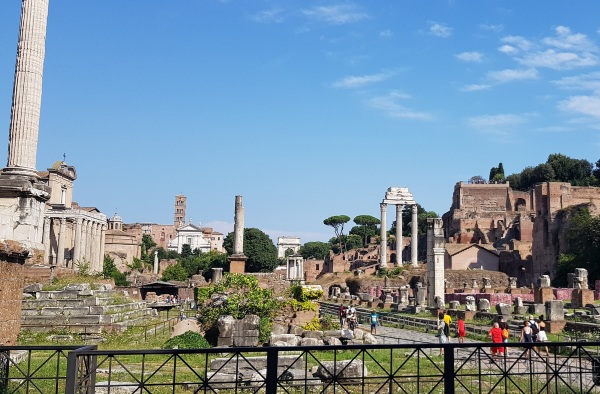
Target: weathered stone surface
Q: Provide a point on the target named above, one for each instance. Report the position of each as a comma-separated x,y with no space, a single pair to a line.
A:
289,339
313,334
295,374
116,387
296,330
33,288
454,304
555,310
279,329
78,287
246,338
484,305
332,341
184,326
311,342
369,339
332,333
470,303
503,309
344,369
225,325
230,365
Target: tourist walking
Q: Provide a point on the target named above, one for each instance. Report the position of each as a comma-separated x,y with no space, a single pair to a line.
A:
441,331
462,332
496,335
505,332
541,336
527,337
448,322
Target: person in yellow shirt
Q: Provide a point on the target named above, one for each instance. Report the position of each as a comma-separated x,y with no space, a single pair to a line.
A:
448,321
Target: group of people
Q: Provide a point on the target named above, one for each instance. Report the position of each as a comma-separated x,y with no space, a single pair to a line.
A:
533,331
349,318
444,323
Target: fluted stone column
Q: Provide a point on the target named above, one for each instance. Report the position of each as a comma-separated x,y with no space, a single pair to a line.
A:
399,235
155,262
93,260
27,93
383,257
239,226
77,240
46,241
89,240
414,236
100,263
60,256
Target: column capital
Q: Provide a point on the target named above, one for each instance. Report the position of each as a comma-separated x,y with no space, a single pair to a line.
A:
383,206
415,209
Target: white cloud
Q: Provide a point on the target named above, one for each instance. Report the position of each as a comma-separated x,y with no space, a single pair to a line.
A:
389,104
518,42
475,87
493,28
586,105
339,14
509,75
439,30
268,16
508,49
495,121
358,81
563,51
476,57
589,81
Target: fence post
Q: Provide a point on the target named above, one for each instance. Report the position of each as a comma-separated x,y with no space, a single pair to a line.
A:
4,363
71,378
448,369
272,360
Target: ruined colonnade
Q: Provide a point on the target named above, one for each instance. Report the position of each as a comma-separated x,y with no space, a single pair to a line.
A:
398,196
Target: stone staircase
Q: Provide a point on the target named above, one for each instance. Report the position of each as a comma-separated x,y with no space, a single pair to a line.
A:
78,309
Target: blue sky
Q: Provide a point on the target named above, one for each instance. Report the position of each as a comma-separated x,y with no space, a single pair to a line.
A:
306,108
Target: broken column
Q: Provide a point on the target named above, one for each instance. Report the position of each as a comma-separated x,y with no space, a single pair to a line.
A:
581,295
22,195
155,270
217,275
543,292
555,316
237,261
435,261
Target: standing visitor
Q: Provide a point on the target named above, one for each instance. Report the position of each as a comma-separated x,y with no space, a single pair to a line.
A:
441,331
342,315
496,335
462,332
374,321
448,322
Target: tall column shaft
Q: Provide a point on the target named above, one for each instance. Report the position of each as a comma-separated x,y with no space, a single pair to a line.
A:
414,226
60,255
27,93
100,261
77,241
46,241
399,235
239,226
383,257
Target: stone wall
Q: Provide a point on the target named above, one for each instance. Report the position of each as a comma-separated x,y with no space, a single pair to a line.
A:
11,295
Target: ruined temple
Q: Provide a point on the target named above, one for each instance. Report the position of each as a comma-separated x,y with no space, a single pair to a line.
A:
526,228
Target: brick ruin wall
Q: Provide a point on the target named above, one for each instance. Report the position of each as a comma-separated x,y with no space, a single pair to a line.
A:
11,297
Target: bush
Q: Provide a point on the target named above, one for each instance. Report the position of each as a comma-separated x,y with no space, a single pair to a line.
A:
187,340
303,294
313,325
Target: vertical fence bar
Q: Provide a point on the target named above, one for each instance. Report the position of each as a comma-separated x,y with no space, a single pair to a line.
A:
71,378
4,362
272,360
449,369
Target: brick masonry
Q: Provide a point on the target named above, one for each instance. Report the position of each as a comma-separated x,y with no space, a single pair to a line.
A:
11,296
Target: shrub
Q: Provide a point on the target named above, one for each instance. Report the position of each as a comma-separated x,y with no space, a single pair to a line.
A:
187,340
313,325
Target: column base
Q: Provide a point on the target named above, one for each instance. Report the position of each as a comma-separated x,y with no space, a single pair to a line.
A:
237,263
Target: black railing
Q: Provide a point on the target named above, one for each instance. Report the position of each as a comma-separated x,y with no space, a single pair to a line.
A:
403,368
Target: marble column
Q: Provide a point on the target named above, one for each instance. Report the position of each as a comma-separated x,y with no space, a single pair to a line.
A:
414,236
89,240
155,262
383,257
60,255
238,247
77,241
100,264
27,93
399,235
46,241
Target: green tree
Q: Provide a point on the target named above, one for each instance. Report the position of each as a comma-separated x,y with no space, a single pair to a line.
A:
596,172
258,248
353,242
497,173
337,222
422,216
366,226
583,244
317,250
175,272
567,169
186,250
147,244
109,270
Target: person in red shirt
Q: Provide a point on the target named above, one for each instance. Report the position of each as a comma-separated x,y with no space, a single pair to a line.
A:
496,335
462,332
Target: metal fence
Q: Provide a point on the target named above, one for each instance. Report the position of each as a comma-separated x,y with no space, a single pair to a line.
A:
402,368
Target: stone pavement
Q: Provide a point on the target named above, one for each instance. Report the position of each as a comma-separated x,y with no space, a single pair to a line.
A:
392,335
